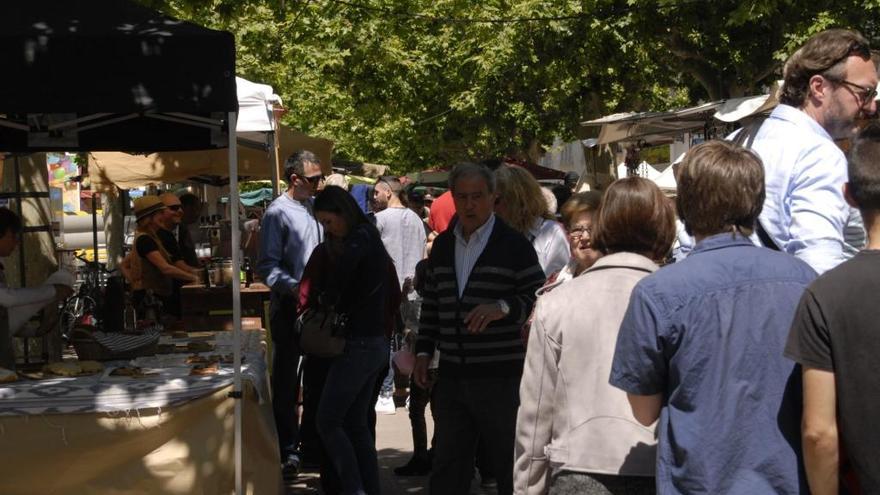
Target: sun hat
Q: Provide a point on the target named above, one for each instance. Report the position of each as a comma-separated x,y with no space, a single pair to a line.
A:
146,206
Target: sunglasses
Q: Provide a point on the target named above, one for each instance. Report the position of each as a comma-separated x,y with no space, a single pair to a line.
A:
175,207
313,180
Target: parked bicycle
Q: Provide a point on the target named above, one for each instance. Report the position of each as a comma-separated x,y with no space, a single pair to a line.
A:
87,298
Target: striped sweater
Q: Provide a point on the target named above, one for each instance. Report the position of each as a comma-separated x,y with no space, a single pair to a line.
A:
507,269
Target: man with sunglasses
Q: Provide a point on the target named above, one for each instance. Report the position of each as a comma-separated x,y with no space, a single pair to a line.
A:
288,236
830,83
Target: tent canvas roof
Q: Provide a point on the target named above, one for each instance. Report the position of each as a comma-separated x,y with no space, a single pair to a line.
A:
140,75
652,127
126,171
256,105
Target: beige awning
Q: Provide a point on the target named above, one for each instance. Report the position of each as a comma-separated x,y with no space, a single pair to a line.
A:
126,171
652,127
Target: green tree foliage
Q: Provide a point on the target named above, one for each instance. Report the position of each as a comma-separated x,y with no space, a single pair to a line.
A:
734,47
419,83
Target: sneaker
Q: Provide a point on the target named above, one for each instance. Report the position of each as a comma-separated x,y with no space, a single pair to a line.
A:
385,405
417,466
290,467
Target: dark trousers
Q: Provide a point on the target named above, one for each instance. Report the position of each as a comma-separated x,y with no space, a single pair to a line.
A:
314,377
342,413
418,402
285,378
465,410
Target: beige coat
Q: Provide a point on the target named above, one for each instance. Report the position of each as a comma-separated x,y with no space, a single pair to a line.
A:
569,417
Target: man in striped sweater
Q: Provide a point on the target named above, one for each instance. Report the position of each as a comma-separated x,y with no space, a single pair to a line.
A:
481,283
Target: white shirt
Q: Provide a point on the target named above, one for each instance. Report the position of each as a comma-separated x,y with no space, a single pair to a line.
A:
467,252
23,303
551,244
804,212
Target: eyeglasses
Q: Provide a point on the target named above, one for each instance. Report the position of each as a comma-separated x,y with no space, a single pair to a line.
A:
863,93
578,231
313,180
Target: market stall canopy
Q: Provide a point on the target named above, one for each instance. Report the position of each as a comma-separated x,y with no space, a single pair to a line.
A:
256,117
127,171
653,127
257,196
82,75
736,109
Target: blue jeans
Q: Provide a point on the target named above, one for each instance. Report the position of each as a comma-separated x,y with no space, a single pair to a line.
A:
343,412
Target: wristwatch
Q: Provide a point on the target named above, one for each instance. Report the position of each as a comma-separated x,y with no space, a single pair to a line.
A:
504,307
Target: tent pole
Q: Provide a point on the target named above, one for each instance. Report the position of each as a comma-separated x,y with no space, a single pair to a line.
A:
276,166
236,292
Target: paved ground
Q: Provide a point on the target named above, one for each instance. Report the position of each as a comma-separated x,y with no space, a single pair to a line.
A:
394,445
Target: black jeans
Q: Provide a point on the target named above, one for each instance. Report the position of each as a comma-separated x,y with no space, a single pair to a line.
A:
314,377
285,377
418,402
468,409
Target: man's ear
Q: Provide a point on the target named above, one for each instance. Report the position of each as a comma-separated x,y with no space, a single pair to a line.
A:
847,195
818,87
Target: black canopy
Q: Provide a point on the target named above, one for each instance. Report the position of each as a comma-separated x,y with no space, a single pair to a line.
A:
111,75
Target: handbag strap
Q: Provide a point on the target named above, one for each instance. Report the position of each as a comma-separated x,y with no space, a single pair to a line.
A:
745,138
608,267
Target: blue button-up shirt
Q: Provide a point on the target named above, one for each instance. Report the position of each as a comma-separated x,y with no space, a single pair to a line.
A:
708,334
804,212
288,235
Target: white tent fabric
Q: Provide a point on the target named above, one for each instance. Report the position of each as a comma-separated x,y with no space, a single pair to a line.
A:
567,157
255,105
736,109
256,117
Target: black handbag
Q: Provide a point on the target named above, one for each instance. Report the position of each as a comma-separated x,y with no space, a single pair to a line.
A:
321,332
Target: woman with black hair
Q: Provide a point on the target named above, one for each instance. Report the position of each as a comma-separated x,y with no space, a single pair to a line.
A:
356,284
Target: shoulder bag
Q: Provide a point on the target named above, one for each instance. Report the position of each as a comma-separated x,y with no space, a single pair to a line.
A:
322,330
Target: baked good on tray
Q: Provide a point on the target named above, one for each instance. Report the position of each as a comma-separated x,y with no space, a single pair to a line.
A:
205,369
65,368
196,359
132,371
7,376
90,367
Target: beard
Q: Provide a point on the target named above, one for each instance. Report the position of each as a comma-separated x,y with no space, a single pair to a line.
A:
840,123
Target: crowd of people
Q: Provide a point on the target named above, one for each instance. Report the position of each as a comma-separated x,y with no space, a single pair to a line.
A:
561,346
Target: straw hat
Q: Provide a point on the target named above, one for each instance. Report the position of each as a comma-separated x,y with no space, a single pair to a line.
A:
146,206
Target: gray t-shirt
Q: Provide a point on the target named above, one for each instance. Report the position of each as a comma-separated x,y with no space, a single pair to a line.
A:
403,234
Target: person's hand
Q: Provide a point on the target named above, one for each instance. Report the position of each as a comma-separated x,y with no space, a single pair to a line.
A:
480,317
420,371
62,292
407,285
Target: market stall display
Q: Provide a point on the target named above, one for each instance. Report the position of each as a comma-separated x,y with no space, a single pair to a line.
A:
148,425
171,87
